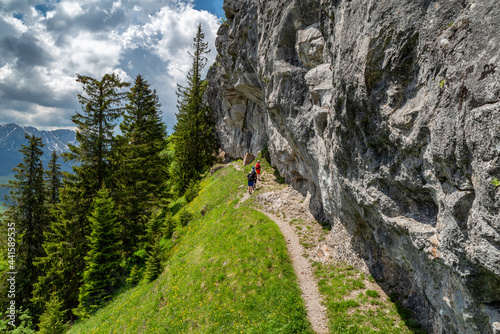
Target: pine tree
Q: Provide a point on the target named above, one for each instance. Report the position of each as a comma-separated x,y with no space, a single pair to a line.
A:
53,176
52,319
66,244
54,182
168,226
101,106
27,215
135,275
194,140
64,263
141,172
154,232
185,217
154,261
102,262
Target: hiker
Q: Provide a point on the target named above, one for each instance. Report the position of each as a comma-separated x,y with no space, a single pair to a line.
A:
250,183
257,169
254,176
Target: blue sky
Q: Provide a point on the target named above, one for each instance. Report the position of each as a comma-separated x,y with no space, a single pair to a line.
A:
45,43
213,6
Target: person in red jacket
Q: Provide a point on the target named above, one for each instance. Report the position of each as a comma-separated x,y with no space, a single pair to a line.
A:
257,169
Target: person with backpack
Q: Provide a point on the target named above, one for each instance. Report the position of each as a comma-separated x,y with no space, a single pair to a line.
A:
254,176
250,178
257,169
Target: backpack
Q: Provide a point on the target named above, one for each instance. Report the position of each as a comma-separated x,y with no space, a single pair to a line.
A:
250,176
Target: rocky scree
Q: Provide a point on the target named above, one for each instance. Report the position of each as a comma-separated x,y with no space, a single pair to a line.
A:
385,113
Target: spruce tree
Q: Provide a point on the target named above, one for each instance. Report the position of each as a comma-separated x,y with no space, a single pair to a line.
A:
52,320
27,215
168,226
64,263
154,232
66,244
101,107
154,261
140,172
135,275
194,140
53,186
102,262
54,182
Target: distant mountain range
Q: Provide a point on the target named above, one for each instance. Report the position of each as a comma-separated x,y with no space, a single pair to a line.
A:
12,137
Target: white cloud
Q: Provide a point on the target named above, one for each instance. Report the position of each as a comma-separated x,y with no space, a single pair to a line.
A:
169,35
44,50
91,54
15,23
6,72
71,8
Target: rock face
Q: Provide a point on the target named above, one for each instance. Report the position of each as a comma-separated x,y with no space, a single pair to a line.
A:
388,114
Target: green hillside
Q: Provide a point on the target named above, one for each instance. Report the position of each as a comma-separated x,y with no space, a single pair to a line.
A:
228,272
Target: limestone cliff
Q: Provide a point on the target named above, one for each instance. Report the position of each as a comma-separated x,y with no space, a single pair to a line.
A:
388,114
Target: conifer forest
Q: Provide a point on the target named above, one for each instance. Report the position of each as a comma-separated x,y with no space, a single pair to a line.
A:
76,238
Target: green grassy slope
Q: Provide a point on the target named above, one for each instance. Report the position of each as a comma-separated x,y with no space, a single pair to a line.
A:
228,272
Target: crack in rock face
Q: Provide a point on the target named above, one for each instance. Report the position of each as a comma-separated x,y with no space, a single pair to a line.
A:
387,114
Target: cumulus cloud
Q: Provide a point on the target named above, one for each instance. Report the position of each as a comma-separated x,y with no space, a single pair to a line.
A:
44,46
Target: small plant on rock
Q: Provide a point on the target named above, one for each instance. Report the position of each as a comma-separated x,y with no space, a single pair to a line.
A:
495,182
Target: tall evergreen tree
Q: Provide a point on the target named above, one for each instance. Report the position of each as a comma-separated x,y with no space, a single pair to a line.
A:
64,263
52,319
28,214
54,182
154,233
101,106
67,244
140,171
102,262
194,140
154,260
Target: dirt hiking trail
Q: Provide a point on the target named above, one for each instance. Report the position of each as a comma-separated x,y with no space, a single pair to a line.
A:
284,205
